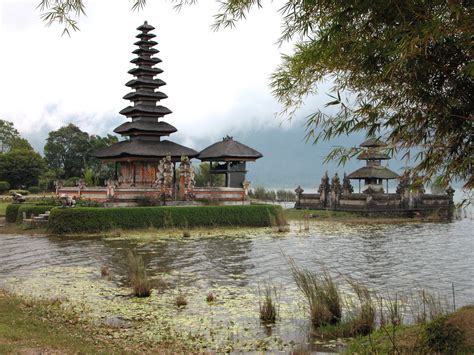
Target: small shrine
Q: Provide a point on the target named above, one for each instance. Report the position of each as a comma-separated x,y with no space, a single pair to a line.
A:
229,157
373,174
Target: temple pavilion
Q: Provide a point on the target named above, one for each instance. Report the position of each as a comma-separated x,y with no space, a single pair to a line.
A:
229,157
373,174
136,158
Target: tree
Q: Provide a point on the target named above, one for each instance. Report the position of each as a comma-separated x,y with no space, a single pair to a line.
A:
202,176
66,151
402,70
8,134
21,168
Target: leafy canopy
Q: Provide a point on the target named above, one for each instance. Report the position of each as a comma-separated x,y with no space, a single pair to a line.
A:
402,70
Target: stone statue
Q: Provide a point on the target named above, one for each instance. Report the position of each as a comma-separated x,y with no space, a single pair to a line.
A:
336,185
17,197
165,178
186,179
67,201
346,185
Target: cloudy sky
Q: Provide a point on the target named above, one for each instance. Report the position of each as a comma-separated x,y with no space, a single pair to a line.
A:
217,82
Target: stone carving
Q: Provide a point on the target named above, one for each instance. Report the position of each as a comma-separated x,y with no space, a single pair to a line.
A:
81,184
246,185
58,184
186,179
67,201
403,183
17,198
165,177
346,185
111,186
336,185
324,187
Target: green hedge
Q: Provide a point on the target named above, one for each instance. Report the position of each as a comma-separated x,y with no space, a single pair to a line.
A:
31,209
4,186
23,192
90,219
11,212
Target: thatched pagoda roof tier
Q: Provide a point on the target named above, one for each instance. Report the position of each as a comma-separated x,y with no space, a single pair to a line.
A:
377,172
148,83
228,150
140,60
144,36
147,110
138,148
143,51
141,70
373,142
373,155
145,27
146,127
145,43
145,95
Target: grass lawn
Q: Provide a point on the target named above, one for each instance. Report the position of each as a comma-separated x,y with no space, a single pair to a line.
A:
3,207
41,327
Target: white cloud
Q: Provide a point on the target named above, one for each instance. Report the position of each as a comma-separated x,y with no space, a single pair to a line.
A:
49,80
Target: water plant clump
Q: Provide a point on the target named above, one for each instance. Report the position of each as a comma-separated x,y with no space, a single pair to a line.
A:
137,274
321,293
181,301
210,298
268,303
104,271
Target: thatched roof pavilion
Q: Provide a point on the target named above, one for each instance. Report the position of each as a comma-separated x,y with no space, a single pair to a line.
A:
234,156
373,173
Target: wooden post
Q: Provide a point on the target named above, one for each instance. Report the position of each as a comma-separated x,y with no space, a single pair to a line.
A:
359,185
116,170
133,173
210,173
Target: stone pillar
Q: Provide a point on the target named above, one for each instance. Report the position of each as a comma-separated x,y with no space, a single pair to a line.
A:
347,188
323,190
299,191
336,191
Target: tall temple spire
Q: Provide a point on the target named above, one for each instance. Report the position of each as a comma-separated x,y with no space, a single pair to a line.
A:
145,127
146,111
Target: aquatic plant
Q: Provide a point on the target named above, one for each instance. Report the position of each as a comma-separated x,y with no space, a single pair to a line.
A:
181,301
268,306
210,297
104,271
137,275
426,306
363,314
321,293
186,233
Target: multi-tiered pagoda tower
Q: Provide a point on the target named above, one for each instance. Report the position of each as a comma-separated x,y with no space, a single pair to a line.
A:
137,157
373,174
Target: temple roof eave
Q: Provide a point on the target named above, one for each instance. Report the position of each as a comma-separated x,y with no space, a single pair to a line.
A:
229,150
376,172
144,149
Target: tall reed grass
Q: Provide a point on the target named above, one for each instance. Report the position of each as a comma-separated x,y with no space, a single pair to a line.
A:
268,303
137,275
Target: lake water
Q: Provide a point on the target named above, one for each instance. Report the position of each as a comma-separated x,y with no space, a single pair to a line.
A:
386,258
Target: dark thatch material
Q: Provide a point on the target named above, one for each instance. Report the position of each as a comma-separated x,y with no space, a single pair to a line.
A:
378,172
228,149
145,95
138,110
373,142
145,71
146,51
145,27
146,60
159,128
145,43
146,149
145,36
151,83
372,155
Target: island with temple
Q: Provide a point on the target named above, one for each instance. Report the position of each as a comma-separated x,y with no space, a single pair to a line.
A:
372,198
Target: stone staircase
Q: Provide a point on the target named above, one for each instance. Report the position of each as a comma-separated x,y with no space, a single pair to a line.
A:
36,220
